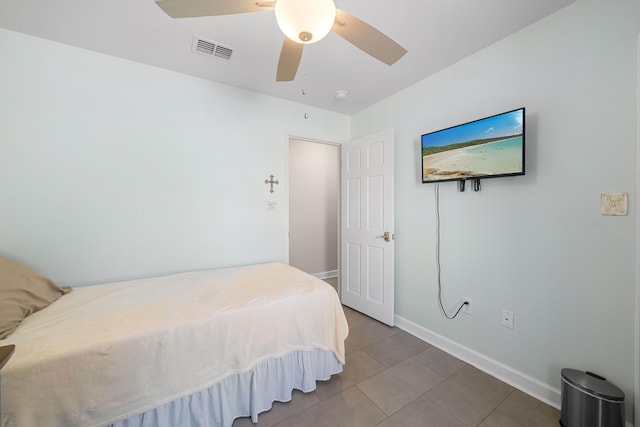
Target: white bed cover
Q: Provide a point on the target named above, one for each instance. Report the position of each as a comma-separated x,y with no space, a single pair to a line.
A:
105,352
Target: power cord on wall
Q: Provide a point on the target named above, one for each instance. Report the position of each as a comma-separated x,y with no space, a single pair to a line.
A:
437,194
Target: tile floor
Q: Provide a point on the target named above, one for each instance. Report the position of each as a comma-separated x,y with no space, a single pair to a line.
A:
392,378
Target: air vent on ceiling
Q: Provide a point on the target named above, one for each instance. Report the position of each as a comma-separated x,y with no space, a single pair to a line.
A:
210,48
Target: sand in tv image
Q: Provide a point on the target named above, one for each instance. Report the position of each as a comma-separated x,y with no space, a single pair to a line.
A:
488,147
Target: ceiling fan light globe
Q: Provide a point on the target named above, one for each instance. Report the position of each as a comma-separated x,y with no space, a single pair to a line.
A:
305,21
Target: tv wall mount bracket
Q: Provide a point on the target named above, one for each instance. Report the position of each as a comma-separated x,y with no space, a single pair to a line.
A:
476,185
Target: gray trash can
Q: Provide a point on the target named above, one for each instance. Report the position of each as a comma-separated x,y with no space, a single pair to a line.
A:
589,400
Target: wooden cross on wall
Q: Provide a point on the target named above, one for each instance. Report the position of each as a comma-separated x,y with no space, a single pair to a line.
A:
271,181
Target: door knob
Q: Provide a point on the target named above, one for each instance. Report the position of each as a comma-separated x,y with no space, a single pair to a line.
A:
386,236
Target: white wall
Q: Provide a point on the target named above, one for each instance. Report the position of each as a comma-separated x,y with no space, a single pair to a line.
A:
314,194
536,245
111,169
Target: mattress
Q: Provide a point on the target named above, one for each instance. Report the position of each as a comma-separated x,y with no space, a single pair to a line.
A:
108,352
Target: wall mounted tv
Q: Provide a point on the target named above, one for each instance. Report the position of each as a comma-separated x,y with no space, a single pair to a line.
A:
485,148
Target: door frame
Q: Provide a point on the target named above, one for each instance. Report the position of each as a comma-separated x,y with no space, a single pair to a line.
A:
287,193
636,328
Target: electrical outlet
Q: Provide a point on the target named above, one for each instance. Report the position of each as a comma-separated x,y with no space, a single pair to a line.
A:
467,308
507,319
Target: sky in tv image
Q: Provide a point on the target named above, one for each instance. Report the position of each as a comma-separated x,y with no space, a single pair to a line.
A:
491,127
487,147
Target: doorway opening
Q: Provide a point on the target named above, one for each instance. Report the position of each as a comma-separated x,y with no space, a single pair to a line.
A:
314,208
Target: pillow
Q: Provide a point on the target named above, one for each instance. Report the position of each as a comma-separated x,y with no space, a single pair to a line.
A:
23,292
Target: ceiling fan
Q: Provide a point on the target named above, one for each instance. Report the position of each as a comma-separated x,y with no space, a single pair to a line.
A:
302,22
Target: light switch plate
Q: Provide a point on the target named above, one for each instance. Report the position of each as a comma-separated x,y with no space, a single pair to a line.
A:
614,204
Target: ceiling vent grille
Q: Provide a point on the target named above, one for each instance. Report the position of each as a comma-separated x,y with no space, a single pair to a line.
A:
210,48
223,52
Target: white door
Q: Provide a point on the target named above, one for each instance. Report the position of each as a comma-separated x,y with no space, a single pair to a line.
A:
366,246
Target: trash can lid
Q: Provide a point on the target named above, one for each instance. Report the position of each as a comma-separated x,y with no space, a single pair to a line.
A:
592,384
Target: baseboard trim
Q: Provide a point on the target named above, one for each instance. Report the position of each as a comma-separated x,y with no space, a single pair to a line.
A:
326,274
523,382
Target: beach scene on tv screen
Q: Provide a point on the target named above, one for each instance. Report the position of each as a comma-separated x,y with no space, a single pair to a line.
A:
486,147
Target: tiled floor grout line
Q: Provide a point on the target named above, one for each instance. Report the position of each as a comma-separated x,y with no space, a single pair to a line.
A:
386,417
495,409
386,368
434,402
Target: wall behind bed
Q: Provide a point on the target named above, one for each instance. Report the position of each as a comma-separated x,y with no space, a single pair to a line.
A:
111,169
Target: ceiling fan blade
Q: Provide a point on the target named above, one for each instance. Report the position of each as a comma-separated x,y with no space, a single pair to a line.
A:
193,8
365,37
290,56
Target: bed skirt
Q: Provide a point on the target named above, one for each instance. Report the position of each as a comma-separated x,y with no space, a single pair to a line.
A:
245,394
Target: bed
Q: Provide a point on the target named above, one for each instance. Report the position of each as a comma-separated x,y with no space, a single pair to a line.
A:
199,348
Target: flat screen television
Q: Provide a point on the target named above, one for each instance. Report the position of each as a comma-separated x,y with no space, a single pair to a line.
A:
484,148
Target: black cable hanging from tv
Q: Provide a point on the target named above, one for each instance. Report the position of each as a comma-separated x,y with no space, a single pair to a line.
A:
437,195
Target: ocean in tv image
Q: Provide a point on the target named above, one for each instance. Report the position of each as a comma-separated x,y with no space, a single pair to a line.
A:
487,147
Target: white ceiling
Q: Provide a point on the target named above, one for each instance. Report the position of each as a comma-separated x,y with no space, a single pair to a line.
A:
436,33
